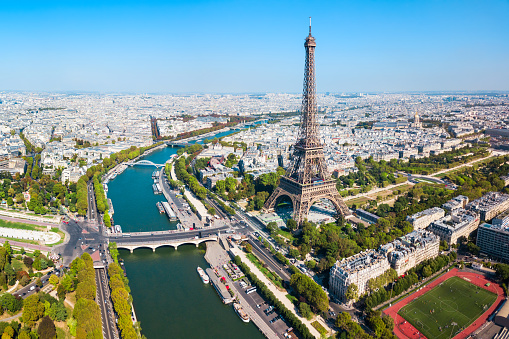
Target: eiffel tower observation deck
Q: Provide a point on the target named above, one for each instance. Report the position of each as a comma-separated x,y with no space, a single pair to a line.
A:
307,179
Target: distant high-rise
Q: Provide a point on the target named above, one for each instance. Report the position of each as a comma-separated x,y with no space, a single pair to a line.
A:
307,178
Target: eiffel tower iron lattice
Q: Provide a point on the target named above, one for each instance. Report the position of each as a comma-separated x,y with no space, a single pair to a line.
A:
307,178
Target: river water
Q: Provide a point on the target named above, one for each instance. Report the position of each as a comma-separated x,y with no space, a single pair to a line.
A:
169,297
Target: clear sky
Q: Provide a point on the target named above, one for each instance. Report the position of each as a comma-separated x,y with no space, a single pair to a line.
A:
253,46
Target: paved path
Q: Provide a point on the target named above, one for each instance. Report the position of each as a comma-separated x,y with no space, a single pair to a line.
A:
404,330
376,190
26,245
281,296
16,316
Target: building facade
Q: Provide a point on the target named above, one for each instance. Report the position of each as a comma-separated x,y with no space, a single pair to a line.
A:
460,201
490,205
358,270
411,249
425,218
494,240
459,223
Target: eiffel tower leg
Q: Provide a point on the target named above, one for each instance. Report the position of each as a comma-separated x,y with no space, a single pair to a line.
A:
271,201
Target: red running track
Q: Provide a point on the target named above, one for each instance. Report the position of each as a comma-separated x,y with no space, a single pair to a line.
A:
404,330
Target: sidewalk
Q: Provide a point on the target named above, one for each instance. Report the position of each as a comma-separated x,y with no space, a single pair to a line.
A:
281,296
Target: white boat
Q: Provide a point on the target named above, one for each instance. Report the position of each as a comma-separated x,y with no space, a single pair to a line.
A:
204,277
240,312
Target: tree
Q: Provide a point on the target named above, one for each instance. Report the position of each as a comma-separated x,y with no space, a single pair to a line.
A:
11,303
53,280
211,211
248,248
112,247
291,224
67,283
61,292
305,311
10,202
57,311
46,329
33,310
352,292
28,262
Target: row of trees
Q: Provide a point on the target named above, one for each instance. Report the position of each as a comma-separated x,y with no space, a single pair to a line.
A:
271,298
121,301
86,311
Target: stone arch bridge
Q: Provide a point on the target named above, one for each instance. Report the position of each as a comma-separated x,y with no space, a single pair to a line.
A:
131,246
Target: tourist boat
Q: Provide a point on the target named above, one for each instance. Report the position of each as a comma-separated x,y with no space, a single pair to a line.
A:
204,277
160,207
240,312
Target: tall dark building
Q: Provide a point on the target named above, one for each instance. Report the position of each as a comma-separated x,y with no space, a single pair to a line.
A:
307,178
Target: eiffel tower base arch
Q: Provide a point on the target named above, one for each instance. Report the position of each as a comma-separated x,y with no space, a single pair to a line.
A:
303,197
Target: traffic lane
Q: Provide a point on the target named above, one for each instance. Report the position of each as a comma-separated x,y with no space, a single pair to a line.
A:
104,302
27,291
269,259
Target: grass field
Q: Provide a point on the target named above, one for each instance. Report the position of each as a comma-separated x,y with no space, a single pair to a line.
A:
448,308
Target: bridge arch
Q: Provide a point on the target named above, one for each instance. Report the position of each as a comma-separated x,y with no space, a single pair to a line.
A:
146,163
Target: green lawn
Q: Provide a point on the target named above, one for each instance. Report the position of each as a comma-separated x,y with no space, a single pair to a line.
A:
269,274
448,308
19,225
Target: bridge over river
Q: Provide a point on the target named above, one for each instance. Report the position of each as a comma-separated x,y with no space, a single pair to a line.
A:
153,240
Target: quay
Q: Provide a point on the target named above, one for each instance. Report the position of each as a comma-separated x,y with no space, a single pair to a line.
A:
188,219
217,256
219,286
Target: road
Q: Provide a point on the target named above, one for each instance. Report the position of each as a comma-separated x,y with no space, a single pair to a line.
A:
268,258
27,290
92,208
152,237
105,304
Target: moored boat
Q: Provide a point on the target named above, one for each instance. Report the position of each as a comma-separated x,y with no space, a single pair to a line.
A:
204,277
240,312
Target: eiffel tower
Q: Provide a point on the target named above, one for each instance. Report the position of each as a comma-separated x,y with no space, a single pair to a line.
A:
307,178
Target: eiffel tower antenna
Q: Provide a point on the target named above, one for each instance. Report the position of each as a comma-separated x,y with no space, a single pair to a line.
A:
307,178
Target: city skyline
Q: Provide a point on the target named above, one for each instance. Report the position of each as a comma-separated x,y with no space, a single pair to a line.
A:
227,47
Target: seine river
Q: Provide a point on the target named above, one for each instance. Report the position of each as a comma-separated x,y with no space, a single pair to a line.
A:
169,298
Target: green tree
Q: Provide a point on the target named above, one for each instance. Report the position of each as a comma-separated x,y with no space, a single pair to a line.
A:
352,292
33,310
53,280
305,311
291,224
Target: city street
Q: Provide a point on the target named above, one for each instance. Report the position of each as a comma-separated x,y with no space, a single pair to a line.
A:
104,302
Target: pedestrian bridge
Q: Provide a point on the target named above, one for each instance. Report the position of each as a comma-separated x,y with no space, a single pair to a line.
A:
131,246
146,163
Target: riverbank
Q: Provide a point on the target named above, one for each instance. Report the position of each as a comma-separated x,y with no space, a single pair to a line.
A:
216,256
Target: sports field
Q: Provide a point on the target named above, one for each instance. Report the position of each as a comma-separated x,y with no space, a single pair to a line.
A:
448,308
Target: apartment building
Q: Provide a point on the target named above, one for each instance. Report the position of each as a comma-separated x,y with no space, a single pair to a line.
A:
357,269
460,201
410,250
425,218
494,240
501,220
458,223
490,205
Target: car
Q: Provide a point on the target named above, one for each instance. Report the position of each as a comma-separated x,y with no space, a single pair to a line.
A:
32,288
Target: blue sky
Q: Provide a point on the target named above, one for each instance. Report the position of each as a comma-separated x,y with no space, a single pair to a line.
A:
253,46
